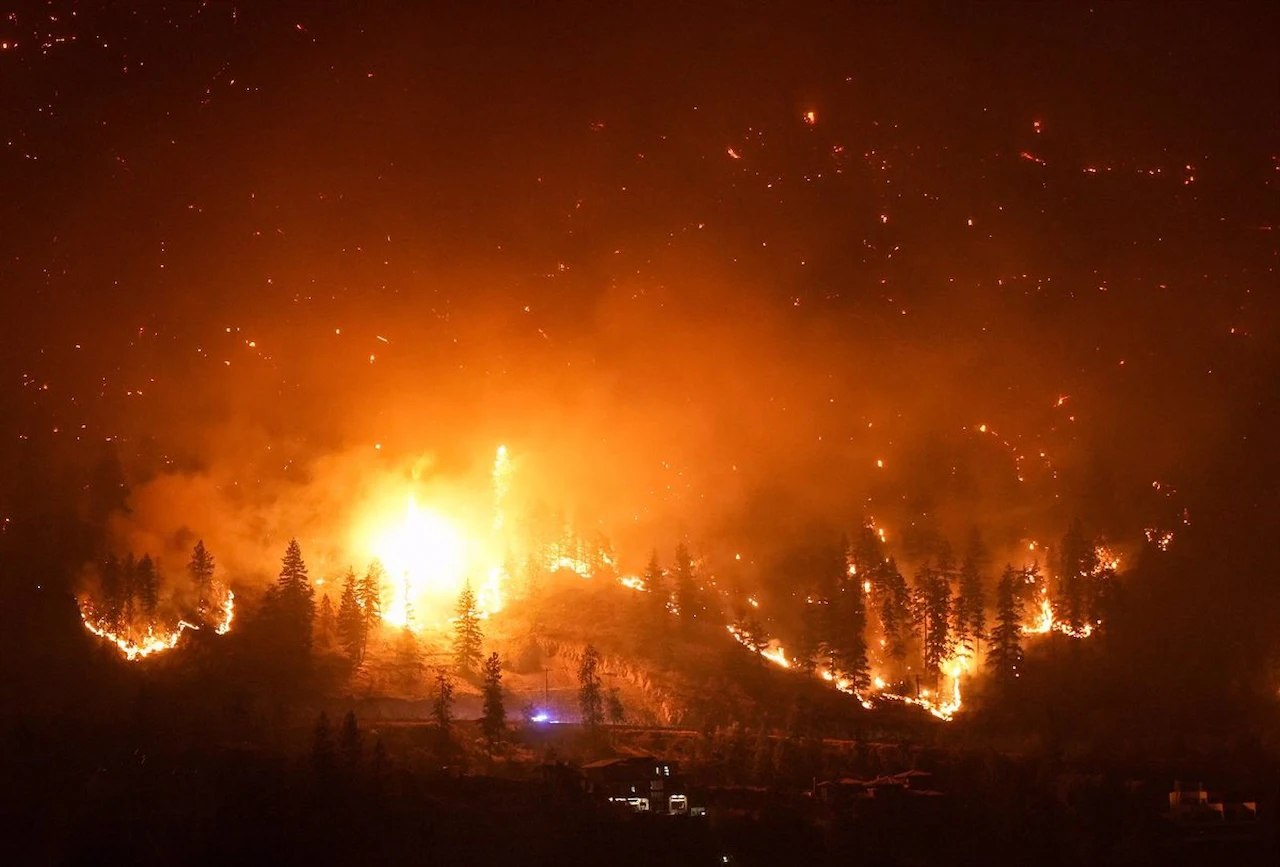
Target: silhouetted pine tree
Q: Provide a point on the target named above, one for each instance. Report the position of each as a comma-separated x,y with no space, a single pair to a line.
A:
128,589
112,591
351,622
613,706
688,598
147,584
493,722
895,611
850,623
933,613
407,665
290,608
658,593
1004,653
200,568
468,638
1076,564
369,595
349,742
590,696
322,752
325,623
969,619
442,711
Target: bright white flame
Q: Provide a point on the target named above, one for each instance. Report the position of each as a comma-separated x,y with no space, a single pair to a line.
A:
425,556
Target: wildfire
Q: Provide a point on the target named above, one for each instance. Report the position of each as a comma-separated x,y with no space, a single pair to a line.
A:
133,647
429,554
228,612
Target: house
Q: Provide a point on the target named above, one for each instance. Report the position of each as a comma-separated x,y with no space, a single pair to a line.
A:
1196,805
647,784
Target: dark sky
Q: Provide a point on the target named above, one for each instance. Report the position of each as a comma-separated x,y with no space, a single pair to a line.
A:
238,238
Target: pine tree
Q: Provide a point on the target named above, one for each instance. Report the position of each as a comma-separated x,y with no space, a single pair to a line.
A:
933,613
850,623
895,611
128,590
147,587
322,752
659,595
467,635
201,571
493,723
1076,564
325,623
369,595
590,696
293,604
969,617
349,745
351,622
613,706
811,626
113,590
408,665
1004,653
442,709
688,599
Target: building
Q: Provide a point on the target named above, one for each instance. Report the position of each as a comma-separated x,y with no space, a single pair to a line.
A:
647,784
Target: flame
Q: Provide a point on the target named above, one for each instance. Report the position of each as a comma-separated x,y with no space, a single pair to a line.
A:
133,648
424,555
228,613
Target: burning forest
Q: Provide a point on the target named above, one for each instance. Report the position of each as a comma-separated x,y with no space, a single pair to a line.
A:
545,435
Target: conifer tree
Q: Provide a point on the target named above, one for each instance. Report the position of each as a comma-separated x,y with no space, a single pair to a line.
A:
1004,653
849,622
613,706
113,590
349,742
322,752
1077,562
128,589
933,613
467,635
351,622
590,695
688,599
292,606
969,615
442,708
369,595
895,611
655,583
408,665
201,571
147,587
493,722
325,623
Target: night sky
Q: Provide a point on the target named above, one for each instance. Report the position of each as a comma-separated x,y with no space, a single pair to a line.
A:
702,269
